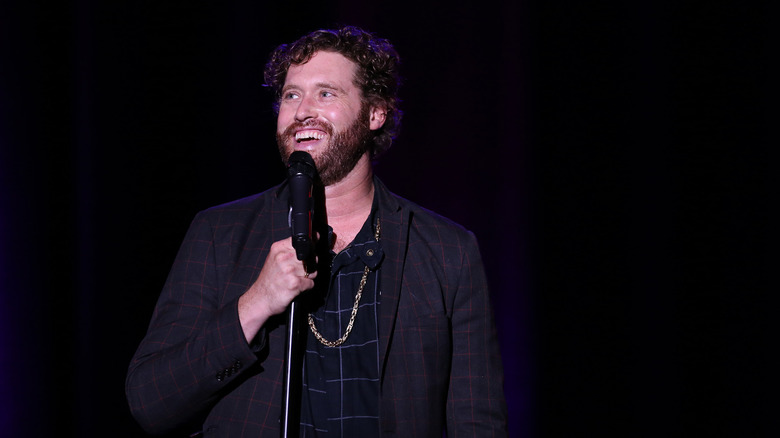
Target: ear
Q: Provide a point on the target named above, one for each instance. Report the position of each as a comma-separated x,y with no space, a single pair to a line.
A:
377,116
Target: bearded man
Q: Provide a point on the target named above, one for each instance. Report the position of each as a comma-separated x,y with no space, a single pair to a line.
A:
400,338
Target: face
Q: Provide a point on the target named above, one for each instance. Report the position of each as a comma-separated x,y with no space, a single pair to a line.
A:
322,112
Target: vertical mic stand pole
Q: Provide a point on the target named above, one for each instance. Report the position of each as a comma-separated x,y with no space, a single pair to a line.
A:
291,396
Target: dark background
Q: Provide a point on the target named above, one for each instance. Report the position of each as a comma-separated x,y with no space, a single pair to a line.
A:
615,159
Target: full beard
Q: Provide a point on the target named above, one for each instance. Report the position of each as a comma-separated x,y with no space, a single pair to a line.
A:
340,155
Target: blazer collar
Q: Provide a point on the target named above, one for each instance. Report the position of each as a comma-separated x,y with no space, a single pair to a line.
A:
395,230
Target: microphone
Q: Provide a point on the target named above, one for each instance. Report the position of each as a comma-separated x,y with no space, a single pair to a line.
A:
301,174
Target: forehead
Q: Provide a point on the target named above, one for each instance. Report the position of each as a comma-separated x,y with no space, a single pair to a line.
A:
323,67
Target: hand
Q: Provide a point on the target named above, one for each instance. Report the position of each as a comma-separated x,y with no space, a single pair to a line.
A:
281,280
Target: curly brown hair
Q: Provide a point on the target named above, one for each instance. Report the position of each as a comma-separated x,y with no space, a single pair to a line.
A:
377,71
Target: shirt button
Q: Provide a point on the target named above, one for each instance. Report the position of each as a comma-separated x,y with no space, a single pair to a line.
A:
370,252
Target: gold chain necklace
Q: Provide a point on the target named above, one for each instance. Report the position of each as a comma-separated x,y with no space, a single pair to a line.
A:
355,306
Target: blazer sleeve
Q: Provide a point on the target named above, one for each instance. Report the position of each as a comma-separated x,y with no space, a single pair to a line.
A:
194,346
475,401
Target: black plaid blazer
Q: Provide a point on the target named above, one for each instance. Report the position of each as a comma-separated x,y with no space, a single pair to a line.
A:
440,364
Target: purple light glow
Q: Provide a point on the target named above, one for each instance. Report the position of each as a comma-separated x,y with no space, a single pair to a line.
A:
6,393
8,322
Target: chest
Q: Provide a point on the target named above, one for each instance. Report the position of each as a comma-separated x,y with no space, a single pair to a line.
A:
344,232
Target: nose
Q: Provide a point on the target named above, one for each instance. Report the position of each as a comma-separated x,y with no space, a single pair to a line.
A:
307,109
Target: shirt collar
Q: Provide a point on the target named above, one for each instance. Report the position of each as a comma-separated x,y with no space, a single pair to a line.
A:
365,246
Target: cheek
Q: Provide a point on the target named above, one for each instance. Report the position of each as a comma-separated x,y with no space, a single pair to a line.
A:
284,119
339,117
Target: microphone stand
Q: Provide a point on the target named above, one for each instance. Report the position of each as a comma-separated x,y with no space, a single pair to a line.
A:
291,390
290,423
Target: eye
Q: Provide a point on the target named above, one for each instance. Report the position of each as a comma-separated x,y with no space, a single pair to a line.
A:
290,95
326,94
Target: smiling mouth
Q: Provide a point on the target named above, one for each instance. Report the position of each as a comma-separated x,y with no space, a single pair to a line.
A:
308,135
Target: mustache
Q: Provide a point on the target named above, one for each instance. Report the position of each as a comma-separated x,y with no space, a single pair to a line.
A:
309,124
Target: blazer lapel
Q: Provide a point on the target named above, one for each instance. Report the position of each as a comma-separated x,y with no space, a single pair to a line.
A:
395,229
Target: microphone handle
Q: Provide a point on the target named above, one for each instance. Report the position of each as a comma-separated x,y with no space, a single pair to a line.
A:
301,215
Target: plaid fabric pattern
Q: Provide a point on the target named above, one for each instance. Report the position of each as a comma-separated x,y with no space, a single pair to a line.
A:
440,368
341,384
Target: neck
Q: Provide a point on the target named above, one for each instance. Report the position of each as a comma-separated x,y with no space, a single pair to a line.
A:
352,196
348,203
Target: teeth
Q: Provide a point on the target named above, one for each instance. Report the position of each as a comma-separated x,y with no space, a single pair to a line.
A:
309,135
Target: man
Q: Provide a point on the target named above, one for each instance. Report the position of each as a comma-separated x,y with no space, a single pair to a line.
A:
400,339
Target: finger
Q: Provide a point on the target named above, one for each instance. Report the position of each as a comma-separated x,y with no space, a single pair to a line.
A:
308,268
307,283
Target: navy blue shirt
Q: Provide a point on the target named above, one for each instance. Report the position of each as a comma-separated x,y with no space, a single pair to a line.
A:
341,384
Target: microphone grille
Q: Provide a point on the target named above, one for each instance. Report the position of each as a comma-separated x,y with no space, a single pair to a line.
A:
301,162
